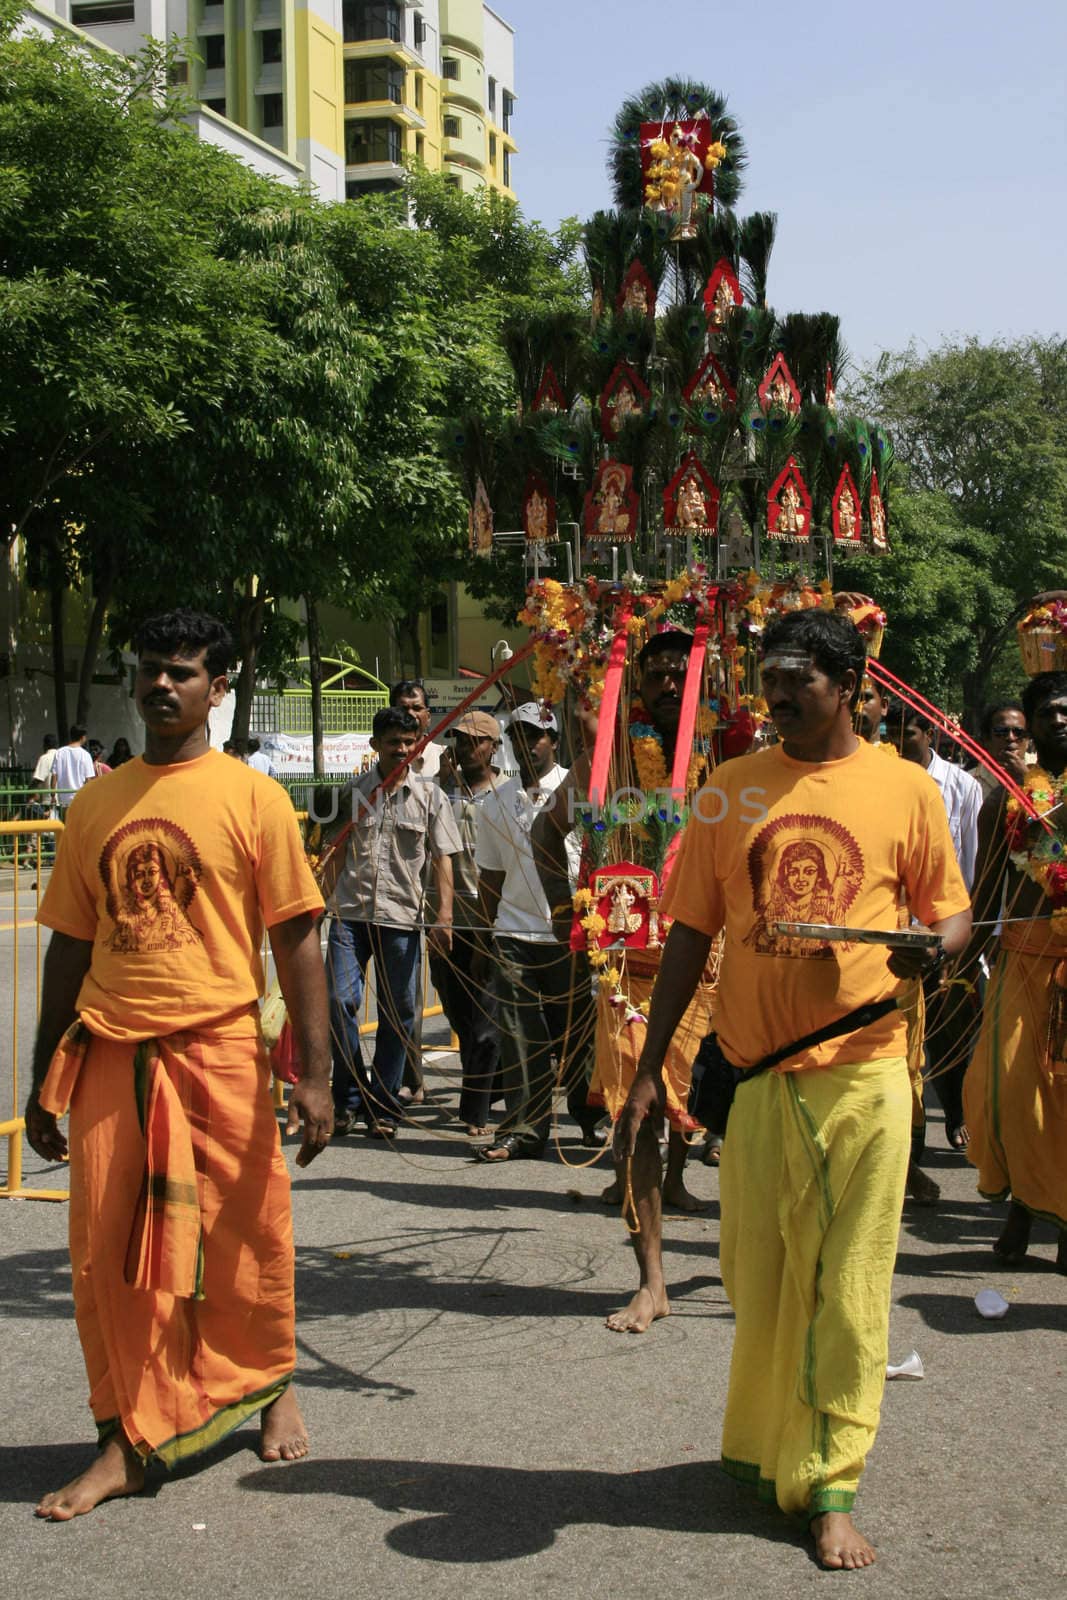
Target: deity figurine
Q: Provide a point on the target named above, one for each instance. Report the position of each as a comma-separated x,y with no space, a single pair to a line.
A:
780,394
612,518
636,297
791,514
689,175
722,303
537,517
621,919
878,538
691,510
710,392
623,404
846,516
482,524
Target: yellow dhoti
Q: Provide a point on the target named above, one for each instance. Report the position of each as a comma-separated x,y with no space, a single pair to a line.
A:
812,1188
1015,1106
180,1233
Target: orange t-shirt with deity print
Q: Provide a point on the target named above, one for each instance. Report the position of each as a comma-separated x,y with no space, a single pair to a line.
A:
173,872
779,840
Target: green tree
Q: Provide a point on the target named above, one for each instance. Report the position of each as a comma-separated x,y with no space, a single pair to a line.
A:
118,315
980,518
435,298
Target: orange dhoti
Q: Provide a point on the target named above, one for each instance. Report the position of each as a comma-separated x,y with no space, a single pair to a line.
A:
180,1232
1014,1097
620,1038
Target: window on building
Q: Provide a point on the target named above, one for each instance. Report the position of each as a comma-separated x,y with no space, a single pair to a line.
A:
420,147
453,180
371,141
451,127
507,107
506,174
492,149
418,91
215,50
490,95
449,67
420,31
178,72
373,19
273,108
217,105
272,45
373,80
92,13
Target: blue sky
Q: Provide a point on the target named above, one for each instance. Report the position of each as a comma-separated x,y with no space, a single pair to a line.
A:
916,154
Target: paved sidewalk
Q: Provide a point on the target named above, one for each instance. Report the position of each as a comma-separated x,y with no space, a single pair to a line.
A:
476,1430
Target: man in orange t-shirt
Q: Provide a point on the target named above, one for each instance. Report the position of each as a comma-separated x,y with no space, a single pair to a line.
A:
181,1232
818,829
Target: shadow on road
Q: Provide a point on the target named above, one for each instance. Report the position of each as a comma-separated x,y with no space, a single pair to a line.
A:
471,1514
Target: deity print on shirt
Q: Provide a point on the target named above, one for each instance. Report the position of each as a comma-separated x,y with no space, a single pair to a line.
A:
803,868
151,872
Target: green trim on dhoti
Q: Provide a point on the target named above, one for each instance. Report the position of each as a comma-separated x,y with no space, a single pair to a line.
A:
749,1474
217,1428
823,1500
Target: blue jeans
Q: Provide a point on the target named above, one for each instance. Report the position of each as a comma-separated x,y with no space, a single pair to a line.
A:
349,951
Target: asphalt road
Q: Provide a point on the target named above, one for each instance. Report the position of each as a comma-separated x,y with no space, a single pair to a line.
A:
476,1431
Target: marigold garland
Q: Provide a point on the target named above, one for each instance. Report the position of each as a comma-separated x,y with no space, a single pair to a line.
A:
1043,859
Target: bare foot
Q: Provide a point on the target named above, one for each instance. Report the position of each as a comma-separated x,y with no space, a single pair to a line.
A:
839,1544
677,1196
612,1195
923,1190
117,1470
644,1309
1014,1238
282,1434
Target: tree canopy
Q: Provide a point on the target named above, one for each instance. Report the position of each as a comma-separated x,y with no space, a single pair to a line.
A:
980,511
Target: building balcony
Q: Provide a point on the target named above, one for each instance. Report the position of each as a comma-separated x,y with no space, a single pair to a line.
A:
463,152
463,25
376,171
367,49
407,116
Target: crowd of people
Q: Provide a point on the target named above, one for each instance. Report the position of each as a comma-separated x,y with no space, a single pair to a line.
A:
791,1057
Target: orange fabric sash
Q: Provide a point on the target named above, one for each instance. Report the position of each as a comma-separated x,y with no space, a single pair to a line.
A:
165,1249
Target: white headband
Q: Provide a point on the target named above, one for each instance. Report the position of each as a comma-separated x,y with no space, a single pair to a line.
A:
786,663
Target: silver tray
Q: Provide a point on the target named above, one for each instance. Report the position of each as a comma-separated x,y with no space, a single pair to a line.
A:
895,938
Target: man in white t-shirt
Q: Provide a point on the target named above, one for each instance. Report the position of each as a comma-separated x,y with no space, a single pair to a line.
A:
73,767
545,996
951,1014
259,759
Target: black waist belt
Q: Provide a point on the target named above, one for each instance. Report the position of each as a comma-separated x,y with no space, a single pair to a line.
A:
715,1078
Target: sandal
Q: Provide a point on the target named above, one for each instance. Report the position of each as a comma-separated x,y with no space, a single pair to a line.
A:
712,1150
514,1149
381,1130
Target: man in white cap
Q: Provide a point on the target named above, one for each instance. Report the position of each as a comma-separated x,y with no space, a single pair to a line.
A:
544,992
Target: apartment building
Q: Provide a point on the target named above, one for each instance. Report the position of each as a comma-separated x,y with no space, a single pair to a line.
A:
341,90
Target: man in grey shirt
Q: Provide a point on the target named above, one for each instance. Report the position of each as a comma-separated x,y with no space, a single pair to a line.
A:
378,912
